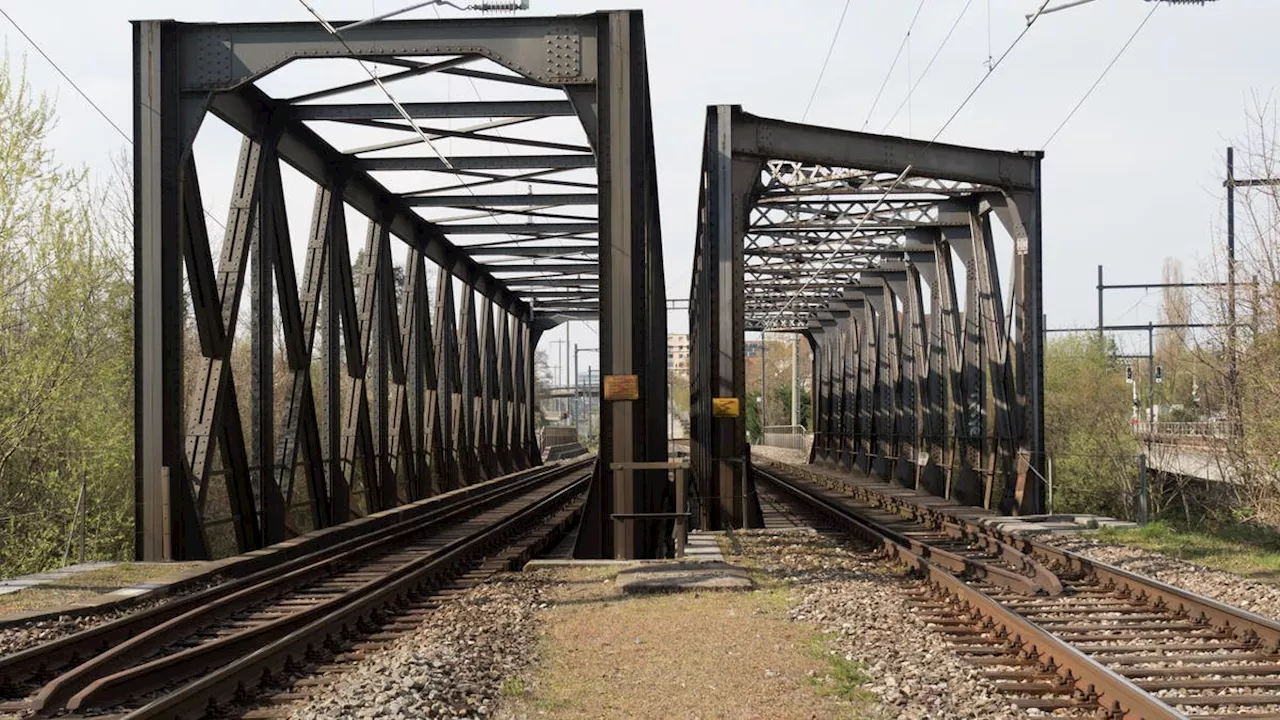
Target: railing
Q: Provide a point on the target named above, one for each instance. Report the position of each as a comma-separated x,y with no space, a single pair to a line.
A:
1205,428
792,437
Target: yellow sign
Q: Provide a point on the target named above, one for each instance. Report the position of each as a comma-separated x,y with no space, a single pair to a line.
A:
621,387
726,407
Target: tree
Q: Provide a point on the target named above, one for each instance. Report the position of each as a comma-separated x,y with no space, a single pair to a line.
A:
1253,445
542,382
1087,411
65,348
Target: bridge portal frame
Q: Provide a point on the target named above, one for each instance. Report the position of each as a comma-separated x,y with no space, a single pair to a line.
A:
431,405
854,232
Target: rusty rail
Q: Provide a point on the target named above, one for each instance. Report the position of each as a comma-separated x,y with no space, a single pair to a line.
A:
1093,682
100,666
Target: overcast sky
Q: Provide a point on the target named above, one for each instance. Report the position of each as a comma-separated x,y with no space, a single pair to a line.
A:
1133,178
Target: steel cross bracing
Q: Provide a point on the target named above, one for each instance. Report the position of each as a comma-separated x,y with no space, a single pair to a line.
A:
531,203
853,239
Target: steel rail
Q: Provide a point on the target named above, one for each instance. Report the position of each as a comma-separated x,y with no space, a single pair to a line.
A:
1250,626
193,699
117,644
1038,580
1109,690
94,640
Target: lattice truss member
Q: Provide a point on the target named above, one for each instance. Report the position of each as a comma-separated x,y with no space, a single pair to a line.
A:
882,252
363,333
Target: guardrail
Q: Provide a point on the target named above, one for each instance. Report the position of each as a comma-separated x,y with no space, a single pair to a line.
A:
1204,428
792,437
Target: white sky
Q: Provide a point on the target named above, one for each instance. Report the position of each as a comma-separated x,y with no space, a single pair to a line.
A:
1135,177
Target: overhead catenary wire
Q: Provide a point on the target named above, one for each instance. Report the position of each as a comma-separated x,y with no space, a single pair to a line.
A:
911,91
892,65
903,175
80,91
404,114
1105,71
990,71
818,83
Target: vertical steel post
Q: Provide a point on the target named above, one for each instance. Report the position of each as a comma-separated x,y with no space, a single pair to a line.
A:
1151,382
160,142
1100,323
795,381
1031,499
764,393
1143,490
84,511
620,420
1233,384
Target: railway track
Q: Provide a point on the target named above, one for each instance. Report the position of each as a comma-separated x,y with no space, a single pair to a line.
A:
209,650
1093,641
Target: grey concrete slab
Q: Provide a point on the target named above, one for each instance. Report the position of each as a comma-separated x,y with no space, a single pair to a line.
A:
13,585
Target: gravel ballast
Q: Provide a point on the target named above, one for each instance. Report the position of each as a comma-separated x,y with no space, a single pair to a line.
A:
1257,597
454,665
29,633
851,595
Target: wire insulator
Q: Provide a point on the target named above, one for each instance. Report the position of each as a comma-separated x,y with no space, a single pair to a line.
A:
500,7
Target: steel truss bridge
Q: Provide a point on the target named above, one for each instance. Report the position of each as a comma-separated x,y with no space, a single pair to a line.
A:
853,240
250,429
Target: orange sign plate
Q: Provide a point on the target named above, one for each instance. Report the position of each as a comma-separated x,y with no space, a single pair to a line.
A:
726,407
621,387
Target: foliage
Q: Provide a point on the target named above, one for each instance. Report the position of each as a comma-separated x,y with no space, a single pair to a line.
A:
543,382
65,349
1244,548
778,409
1087,413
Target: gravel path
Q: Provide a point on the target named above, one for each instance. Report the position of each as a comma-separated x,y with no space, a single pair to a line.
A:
851,595
777,454
452,666
1258,597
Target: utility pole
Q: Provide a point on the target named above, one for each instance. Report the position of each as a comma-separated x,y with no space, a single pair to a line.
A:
764,403
566,362
577,391
576,402
1101,287
1151,383
591,403
559,371
795,381
84,510
1231,183
1232,381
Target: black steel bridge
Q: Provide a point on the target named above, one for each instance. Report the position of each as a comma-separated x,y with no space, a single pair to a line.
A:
274,398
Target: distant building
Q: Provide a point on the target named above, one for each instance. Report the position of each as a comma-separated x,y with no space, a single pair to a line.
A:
678,352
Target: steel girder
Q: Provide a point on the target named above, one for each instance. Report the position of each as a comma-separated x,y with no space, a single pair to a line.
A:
400,400
851,239
632,304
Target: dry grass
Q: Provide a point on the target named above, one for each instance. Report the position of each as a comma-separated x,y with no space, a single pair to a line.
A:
87,585
689,655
